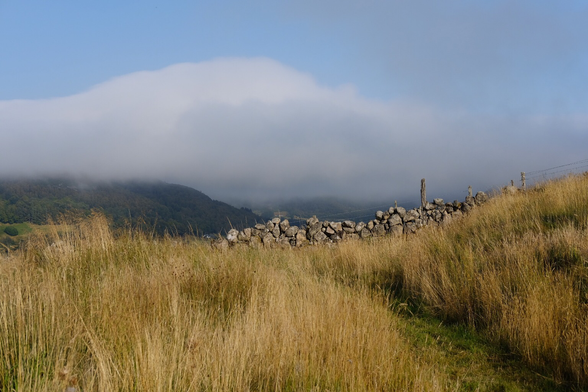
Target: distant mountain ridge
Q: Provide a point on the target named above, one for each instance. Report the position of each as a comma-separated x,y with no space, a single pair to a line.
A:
297,210
162,206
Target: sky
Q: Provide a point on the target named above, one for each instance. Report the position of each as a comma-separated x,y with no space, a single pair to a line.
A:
263,99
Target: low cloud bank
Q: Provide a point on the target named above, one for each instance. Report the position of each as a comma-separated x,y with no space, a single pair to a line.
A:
255,128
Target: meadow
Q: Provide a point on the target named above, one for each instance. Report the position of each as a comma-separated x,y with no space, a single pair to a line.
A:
497,301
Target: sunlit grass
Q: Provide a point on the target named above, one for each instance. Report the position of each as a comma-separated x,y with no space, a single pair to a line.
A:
138,313
496,302
517,270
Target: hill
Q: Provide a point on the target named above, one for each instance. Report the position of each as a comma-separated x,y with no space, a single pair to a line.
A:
297,210
166,207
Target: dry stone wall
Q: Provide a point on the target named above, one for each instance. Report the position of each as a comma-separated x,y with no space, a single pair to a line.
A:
396,221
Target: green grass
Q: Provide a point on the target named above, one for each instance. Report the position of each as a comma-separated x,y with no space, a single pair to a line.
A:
472,361
18,226
24,229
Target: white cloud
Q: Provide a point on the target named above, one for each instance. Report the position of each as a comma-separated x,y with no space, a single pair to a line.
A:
239,127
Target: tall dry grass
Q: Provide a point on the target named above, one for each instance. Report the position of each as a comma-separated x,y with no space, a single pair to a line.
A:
516,269
104,312
84,309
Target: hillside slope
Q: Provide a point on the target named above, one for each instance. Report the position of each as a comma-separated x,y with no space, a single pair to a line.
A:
515,270
165,207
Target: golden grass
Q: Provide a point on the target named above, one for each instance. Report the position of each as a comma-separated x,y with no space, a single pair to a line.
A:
136,313
517,269
102,312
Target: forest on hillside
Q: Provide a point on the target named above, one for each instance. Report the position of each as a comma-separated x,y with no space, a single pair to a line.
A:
159,206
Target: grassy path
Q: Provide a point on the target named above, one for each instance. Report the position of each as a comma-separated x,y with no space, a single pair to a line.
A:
470,360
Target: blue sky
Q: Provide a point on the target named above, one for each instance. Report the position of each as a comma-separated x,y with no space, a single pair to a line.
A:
282,98
64,47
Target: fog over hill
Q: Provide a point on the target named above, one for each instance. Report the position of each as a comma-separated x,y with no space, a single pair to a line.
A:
266,100
254,128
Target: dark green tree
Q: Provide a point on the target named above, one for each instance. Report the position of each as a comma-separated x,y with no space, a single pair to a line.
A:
11,231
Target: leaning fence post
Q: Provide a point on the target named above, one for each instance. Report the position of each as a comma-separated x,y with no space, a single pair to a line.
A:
423,193
524,181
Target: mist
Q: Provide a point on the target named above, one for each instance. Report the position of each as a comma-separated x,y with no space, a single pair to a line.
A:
254,128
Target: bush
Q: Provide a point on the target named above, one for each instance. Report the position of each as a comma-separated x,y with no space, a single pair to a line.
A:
11,231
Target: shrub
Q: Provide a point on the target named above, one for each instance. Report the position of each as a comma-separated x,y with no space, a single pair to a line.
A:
11,231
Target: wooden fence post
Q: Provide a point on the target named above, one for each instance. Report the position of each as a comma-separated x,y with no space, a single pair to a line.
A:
423,193
470,191
523,181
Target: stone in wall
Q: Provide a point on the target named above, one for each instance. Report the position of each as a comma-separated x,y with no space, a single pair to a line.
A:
411,216
480,198
365,233
268,240
348,224
284,225
312,221
320,237
470,201
301,238
232,236
337,226
242,237
291,231
410,227
379,230
284,241
446,220
314,229
276,231
395,220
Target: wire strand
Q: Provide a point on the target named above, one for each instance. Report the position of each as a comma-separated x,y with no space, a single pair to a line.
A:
532,173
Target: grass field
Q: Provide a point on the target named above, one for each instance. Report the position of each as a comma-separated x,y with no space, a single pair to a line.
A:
496,302
23,228
11,243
